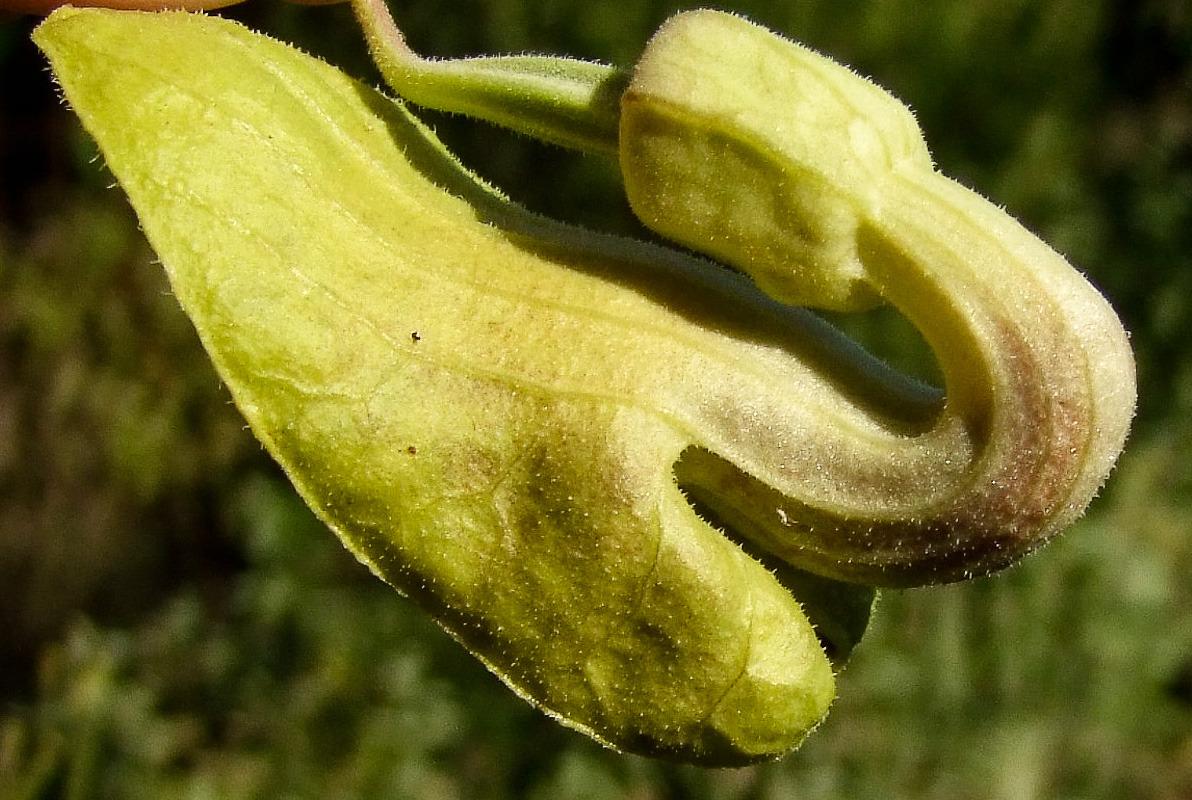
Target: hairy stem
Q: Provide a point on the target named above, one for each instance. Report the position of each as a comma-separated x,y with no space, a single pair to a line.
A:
562,100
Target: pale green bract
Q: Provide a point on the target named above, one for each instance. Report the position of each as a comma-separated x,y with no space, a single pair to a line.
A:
624,478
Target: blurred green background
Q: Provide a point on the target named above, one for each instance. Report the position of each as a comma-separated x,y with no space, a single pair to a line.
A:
173,623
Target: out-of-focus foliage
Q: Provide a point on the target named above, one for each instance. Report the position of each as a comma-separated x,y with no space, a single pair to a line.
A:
173,623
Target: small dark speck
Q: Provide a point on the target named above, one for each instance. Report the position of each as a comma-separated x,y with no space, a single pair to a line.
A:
412,450
415,337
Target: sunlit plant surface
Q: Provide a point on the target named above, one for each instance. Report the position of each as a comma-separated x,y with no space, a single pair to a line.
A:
647,496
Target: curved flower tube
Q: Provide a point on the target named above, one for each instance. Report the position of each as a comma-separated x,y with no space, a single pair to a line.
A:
649,496
818,185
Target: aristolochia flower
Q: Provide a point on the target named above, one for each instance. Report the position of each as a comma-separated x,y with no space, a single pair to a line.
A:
650,495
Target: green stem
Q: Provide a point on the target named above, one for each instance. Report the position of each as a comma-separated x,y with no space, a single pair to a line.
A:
561,100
